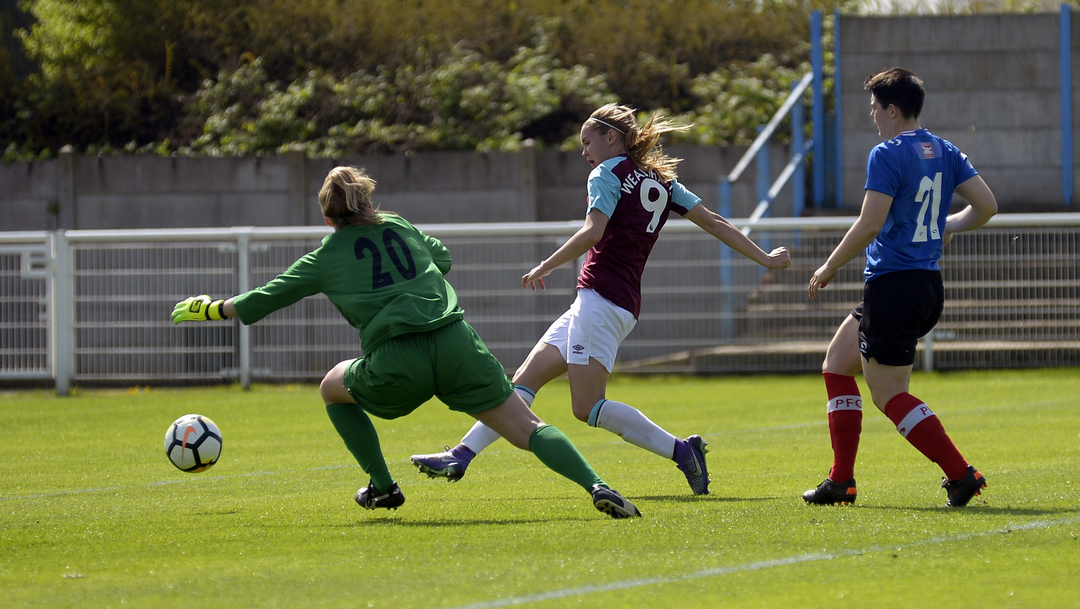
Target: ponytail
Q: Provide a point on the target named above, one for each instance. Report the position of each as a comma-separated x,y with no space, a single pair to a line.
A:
642,144
345,197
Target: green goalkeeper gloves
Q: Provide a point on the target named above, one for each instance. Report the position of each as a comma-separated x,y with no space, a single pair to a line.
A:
197,308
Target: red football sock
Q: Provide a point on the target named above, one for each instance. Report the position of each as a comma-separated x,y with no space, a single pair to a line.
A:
845,424
922,429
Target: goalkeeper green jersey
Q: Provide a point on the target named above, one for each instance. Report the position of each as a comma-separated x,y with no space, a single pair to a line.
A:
385,279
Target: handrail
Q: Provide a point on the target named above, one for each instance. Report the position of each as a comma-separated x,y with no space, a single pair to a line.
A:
36,236
766,195
781,181
763,137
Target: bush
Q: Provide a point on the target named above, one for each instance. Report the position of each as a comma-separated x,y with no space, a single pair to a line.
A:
261,76
457,101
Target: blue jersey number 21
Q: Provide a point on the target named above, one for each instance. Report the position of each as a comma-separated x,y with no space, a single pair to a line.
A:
930,197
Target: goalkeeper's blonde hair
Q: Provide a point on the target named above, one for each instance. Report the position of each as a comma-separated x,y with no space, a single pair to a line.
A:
345,197
642,143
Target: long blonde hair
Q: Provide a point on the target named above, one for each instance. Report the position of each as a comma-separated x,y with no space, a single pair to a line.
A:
642,144
345,197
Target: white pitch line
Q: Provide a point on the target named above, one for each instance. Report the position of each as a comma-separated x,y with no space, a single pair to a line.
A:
753,566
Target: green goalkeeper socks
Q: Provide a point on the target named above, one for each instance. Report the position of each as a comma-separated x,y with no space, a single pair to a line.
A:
557,452
549,445
355,428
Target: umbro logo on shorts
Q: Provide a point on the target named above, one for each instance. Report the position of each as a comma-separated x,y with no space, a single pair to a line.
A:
578,349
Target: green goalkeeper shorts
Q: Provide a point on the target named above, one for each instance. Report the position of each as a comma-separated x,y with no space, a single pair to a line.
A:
450,363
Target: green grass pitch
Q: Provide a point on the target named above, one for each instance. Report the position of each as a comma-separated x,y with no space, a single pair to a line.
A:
93,515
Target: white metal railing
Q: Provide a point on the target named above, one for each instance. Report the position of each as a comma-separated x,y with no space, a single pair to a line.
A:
93,306
24,279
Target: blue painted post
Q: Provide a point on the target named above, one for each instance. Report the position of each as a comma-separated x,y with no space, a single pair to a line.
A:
762,177
798,139
1066,105
724,193
817,60
764,181
727,277
837,93
798,179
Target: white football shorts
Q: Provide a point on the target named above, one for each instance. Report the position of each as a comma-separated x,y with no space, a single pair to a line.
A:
593,327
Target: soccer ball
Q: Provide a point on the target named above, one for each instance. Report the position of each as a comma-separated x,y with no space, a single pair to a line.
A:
193,443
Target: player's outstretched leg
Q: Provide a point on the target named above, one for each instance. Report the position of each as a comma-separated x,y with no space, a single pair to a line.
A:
612,503
453,462
450,464
557,452
632,425
521,427
961,491
690,459
921,427
832,493
370,497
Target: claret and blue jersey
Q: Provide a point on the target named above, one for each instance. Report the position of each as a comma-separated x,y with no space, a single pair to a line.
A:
920,171
637,205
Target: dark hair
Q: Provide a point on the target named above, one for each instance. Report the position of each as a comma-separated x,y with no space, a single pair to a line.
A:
345,197
899,87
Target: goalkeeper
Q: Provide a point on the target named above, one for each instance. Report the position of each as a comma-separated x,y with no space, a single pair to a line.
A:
386,279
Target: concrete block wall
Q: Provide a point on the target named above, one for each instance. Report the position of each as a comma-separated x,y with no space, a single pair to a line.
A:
993,89
89,192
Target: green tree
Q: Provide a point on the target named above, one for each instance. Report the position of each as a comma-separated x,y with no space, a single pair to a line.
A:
15,67
453,101
243,76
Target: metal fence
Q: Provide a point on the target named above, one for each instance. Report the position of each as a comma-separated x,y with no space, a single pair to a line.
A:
25,291
93,307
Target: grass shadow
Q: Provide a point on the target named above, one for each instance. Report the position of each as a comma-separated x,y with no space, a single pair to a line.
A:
456,522
977,509
712,497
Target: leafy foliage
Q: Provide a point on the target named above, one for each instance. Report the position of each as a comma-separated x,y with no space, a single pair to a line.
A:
262,76
456,101
734,102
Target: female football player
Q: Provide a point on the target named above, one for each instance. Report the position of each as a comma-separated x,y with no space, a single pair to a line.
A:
387,280
632,189
903,227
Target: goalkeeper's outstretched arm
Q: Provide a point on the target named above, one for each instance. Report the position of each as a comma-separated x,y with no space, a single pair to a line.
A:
201,308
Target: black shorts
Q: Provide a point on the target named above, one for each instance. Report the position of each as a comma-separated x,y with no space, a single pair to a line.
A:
897,310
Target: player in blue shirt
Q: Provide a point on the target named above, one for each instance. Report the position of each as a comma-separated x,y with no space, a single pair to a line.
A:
903,226
632,188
